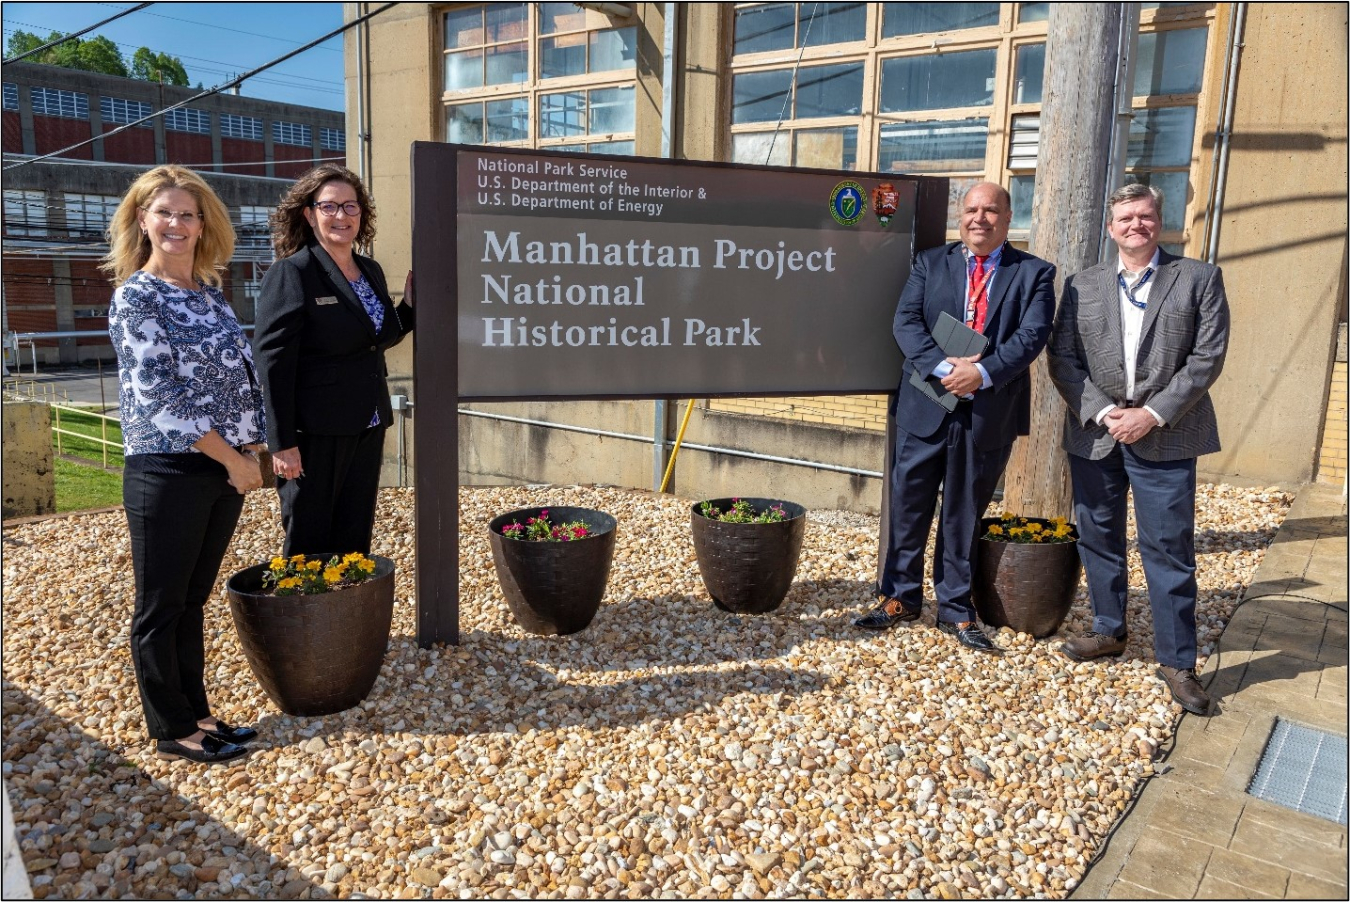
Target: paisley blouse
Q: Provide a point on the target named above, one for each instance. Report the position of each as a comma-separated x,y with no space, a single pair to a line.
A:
184,368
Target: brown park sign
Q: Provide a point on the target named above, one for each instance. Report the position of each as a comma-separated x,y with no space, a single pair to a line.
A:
561,275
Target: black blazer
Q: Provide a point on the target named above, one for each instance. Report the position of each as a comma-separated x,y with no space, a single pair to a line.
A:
1021,314
318,355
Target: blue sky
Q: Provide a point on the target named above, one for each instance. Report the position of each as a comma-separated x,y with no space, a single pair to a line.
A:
214,40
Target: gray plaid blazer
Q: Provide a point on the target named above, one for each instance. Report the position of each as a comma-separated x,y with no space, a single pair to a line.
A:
1181,352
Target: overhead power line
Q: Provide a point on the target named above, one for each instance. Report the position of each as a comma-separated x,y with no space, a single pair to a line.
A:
208,92
70,37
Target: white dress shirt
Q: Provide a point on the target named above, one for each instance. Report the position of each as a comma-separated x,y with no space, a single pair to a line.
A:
1132,327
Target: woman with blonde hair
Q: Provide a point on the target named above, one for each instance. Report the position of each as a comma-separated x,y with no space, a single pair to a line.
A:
325,319
191,425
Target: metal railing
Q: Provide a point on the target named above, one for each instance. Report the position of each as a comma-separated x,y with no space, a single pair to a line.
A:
103,419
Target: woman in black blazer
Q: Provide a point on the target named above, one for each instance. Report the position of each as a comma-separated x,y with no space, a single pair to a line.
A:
324,321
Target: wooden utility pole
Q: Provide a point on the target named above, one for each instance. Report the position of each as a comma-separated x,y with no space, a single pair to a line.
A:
1077,113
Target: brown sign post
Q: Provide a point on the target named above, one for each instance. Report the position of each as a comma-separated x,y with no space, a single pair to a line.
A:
640,278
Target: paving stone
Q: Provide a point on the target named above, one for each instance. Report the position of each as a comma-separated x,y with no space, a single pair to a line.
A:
1255,874
1214,887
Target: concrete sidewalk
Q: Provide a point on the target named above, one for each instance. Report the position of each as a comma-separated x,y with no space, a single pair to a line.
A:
1195,833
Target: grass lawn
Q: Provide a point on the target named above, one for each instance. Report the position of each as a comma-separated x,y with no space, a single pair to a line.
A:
80,487
89,450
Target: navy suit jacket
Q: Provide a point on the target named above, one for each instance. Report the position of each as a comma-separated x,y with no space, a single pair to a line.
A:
319,358
1020,316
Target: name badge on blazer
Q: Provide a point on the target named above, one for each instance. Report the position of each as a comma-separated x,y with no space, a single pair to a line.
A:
325,301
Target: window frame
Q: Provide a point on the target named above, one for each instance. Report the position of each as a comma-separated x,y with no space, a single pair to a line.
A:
535,87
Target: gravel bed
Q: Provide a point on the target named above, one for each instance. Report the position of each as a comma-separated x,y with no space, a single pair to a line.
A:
670,750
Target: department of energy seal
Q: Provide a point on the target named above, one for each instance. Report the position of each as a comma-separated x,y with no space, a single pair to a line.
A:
847,203
885,202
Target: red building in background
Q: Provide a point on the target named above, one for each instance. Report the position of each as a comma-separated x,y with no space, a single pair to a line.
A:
56,211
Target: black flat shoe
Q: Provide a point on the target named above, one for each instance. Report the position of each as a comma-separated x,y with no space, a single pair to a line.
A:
213,751
886,615
226,733
971,636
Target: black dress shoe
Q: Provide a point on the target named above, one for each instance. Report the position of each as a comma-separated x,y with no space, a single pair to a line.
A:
971,636
886,615
226,733
213,751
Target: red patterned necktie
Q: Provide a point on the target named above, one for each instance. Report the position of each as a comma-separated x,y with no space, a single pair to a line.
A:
978,304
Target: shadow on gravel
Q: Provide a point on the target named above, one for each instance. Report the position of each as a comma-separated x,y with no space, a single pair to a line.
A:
92,824
471,691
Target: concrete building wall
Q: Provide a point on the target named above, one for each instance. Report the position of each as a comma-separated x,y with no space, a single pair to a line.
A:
1283,242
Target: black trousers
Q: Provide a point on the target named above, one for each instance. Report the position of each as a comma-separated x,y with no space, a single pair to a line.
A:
331,509
181,519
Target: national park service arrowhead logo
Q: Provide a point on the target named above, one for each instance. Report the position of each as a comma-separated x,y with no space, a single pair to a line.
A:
885,202
848,203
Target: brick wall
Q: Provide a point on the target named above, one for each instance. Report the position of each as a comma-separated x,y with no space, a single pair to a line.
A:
135,145
240,150
188,149
52,133
283,152
1331,462
13,133
855,411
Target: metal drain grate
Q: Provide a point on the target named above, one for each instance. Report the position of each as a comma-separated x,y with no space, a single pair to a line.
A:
1303,769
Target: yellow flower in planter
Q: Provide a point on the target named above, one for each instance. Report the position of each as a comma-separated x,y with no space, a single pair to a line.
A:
297,576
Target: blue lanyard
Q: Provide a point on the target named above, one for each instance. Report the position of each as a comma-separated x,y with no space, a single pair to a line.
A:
1130,292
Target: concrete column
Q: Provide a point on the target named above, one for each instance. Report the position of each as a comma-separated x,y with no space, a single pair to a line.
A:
26,120
65,309
217,156
96,127
270,171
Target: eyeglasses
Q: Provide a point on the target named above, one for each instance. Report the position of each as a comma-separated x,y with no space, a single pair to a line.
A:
182,216
328,208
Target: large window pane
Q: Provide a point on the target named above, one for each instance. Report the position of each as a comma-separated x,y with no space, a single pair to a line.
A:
611,110
762,148
560,17
1033,12
464,123
1174,187
826,148
918,147
761,96
464,70
1030,73
613,49
507,22
562,115
922,18
829,91
830,23
1170,62
624,148
464,28
507,64
1023,191
761,28
938,81
1161,137
508,120
561,56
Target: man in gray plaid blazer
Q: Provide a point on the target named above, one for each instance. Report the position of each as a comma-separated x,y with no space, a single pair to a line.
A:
1137,343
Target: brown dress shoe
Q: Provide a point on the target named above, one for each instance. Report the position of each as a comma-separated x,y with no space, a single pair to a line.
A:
1186,689
1093,645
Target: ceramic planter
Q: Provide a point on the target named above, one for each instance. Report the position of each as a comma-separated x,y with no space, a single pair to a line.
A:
748,567
554,588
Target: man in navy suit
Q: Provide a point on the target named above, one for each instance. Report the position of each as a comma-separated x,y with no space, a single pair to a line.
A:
1009,296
